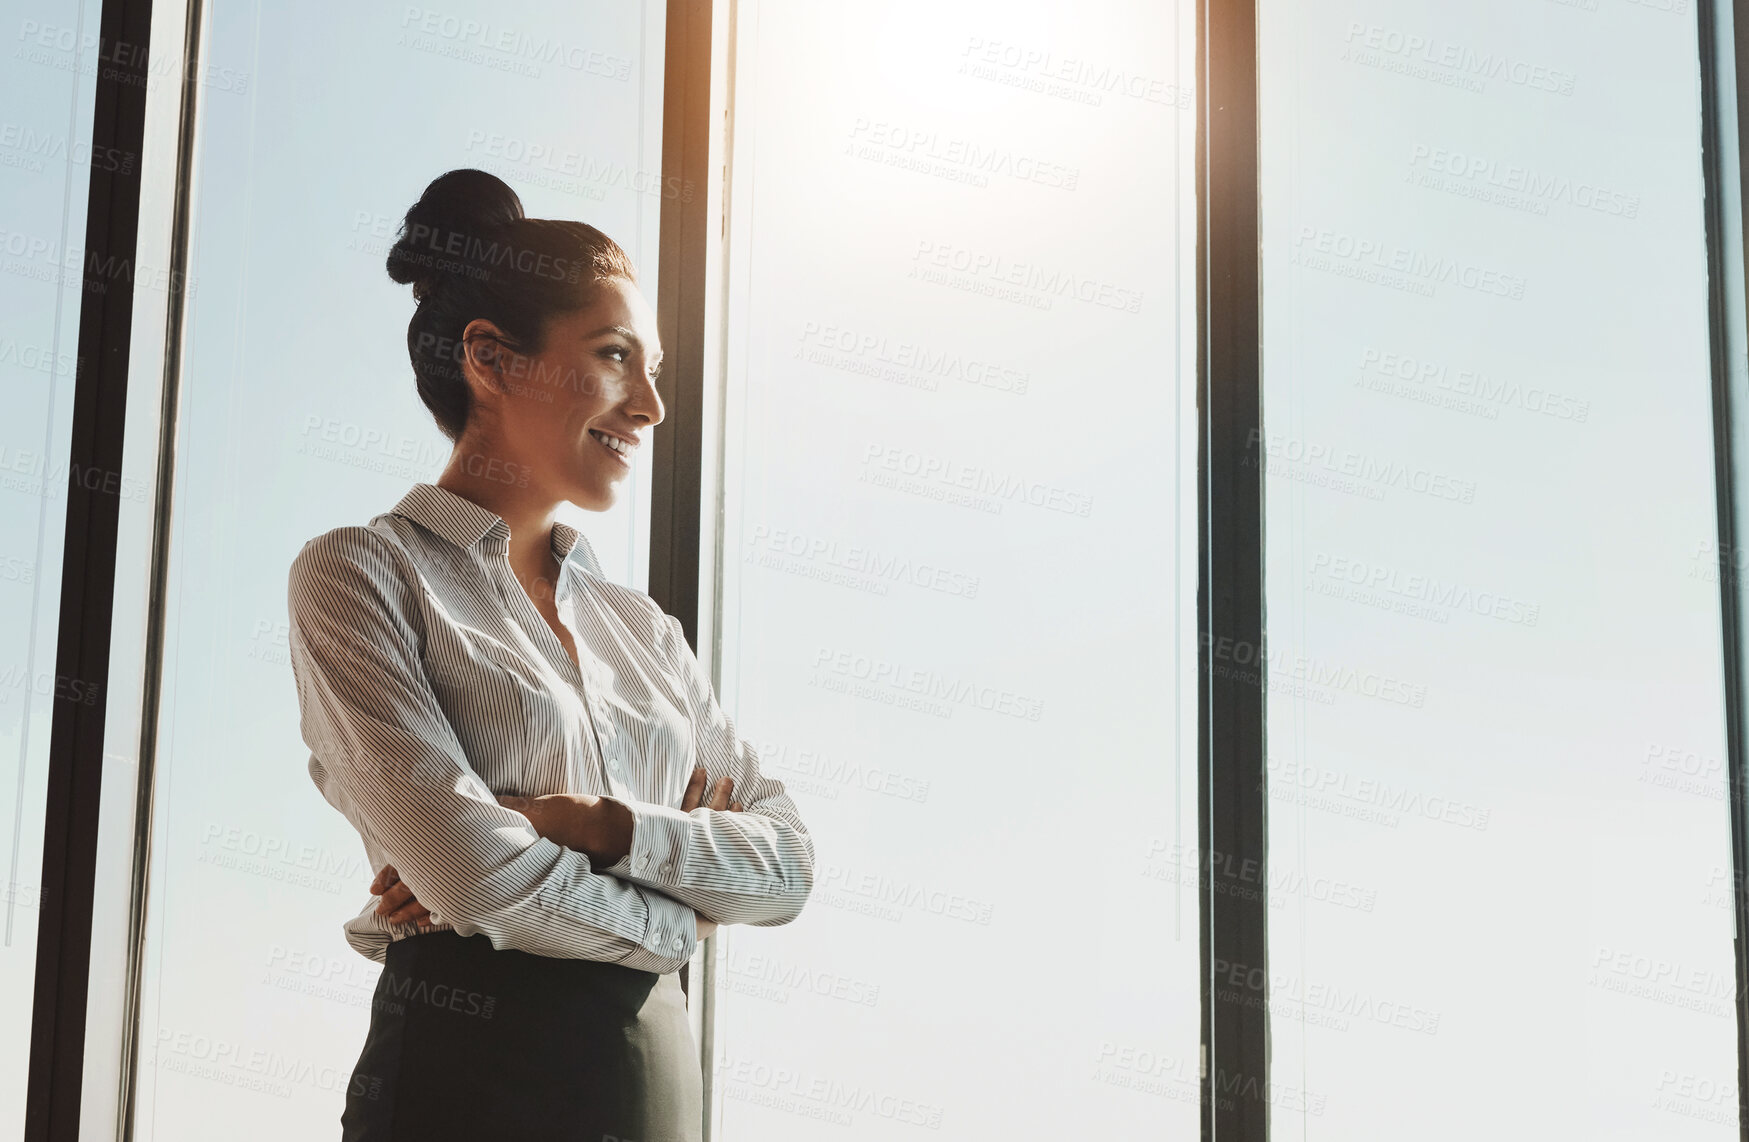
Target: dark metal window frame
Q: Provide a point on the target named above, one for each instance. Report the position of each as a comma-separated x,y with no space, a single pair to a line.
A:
1724,27
1233,797
75,776
1232,666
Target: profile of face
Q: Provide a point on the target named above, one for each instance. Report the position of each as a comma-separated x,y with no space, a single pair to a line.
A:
569,419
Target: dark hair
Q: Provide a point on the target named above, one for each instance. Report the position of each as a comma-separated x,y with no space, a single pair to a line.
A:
470,252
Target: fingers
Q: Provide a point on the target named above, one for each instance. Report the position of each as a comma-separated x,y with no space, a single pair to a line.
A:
398,906
696,797
393,897
734,806
694,790
386,877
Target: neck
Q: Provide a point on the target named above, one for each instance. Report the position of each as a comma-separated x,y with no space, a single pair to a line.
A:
527,511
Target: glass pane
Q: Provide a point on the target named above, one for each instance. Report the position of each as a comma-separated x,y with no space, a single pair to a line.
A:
1498,832
323,125
45,163
959,567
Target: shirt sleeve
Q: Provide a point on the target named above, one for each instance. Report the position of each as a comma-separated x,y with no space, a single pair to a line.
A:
371,717
751,867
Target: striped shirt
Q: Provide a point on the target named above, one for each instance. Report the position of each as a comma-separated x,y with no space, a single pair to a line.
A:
429,684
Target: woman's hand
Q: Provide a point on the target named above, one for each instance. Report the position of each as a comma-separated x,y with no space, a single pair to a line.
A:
719,799
693,799
397,901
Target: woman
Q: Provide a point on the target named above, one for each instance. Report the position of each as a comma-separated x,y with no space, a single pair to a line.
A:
532,754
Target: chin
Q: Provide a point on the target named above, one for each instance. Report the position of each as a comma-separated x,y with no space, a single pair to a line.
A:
597,499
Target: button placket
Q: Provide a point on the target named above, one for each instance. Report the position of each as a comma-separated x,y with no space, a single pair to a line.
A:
535,626
600,724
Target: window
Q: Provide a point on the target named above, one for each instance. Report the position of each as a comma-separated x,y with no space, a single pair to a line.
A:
1497,820
959,567
298,415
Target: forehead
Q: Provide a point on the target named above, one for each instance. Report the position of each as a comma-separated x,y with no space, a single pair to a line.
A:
615,306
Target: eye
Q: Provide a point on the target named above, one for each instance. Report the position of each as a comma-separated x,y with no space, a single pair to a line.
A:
622,350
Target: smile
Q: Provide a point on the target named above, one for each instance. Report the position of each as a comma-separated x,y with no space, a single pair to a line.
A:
620,448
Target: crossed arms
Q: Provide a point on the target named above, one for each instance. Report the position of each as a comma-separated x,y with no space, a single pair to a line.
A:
385,753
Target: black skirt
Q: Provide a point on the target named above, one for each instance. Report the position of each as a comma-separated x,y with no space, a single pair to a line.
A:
469,1042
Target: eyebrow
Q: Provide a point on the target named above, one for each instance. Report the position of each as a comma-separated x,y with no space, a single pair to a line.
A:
623,332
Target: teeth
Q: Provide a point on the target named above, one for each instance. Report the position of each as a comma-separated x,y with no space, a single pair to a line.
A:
612,442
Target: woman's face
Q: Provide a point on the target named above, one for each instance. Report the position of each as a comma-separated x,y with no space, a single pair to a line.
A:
575,414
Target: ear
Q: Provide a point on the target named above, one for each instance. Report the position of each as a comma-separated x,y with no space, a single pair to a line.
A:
486,358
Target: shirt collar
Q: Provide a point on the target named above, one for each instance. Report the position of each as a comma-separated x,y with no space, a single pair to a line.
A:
465,523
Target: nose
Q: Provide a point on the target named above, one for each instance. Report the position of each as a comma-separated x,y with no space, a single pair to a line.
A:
644,403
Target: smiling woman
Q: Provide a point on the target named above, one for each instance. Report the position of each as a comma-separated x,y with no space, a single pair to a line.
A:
533,328
485,710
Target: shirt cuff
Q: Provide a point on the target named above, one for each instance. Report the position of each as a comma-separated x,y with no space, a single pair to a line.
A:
669,938
660,836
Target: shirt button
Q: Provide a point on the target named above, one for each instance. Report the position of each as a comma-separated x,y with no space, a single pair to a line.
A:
613,765
667,867
679,942
643,861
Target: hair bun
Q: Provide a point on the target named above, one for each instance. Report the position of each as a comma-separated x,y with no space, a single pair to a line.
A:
443,231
